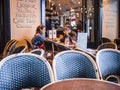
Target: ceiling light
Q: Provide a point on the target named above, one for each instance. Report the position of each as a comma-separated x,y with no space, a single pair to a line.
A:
51,8
49,0
59,4
78,2
52,4
60,8
72,10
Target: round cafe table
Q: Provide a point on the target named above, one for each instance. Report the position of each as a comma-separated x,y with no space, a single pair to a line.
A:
81,84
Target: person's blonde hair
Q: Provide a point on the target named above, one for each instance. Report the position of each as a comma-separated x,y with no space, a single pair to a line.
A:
40,29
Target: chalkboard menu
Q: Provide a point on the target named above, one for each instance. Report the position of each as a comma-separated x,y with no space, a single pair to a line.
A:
24,17
110,19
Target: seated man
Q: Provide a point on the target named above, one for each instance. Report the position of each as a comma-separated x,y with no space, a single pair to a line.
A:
70,31
69,37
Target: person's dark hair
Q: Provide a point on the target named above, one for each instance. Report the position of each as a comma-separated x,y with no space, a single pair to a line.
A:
67,20
40,29
67,24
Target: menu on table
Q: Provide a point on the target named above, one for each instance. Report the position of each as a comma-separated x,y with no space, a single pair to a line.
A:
82,41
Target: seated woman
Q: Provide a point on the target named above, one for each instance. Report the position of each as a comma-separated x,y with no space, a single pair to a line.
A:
39,37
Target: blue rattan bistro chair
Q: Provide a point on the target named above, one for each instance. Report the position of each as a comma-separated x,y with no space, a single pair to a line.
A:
117,41
62,47
108,61
24,70
9,47
38,51
74,64
50,48
19,49
107,45
29,45
90,54
105,40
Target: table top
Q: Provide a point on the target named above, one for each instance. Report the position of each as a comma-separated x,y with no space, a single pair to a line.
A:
82,84
56,40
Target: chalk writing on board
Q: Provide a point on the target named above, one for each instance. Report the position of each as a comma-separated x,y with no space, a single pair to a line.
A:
110,14
25,13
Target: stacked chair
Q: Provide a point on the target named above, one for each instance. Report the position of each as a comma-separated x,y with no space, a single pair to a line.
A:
19,49
9,47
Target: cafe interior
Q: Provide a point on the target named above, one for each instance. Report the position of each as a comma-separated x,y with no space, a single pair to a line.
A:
59,45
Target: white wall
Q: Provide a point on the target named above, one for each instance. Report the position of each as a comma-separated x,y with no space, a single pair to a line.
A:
110,19
24,18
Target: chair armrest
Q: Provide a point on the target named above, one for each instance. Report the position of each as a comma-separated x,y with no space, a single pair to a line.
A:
115,77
